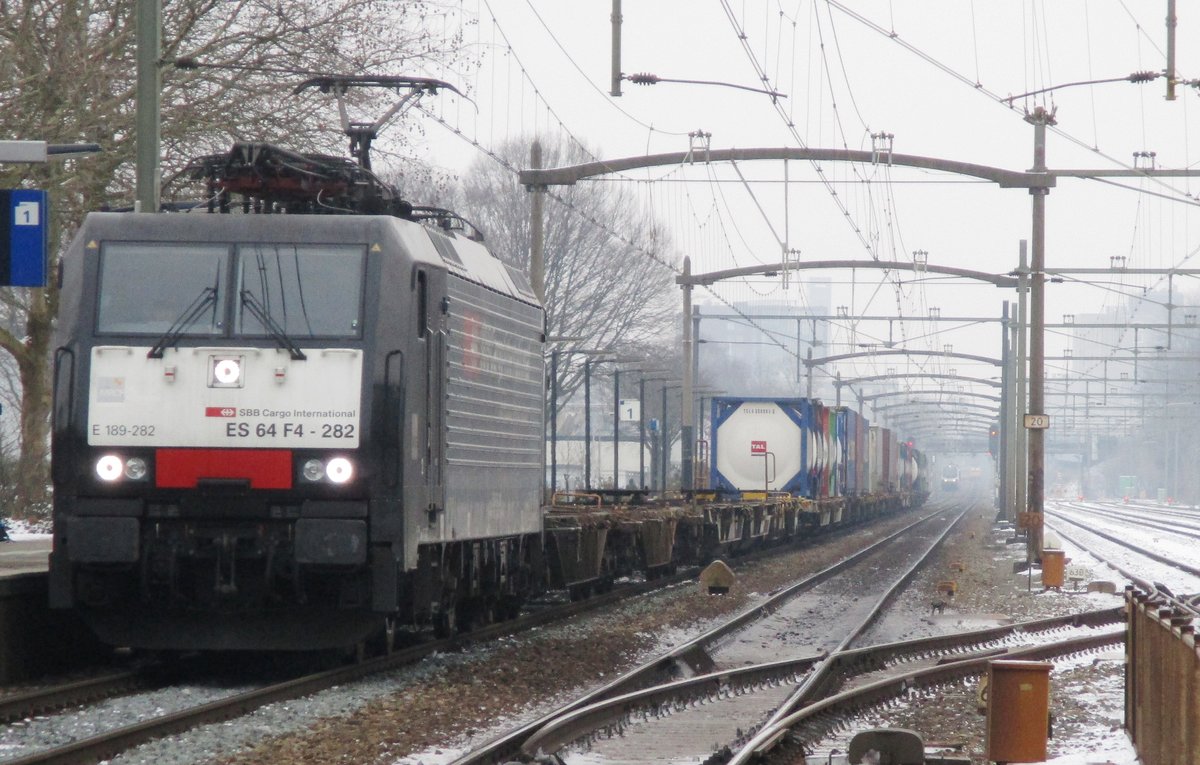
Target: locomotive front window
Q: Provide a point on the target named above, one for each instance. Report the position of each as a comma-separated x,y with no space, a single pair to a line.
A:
305,290
152,288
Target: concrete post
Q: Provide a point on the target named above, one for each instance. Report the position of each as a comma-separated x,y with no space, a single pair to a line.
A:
1037,331
537,231
149,87
616,49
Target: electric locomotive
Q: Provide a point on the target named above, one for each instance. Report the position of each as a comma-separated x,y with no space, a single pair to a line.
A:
950,475
294,423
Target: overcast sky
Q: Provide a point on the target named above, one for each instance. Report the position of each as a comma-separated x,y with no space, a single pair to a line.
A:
929,72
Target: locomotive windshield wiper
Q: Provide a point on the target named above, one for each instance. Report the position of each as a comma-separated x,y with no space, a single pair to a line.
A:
206,298
274,329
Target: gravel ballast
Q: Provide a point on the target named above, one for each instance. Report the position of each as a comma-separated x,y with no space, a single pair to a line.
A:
451,703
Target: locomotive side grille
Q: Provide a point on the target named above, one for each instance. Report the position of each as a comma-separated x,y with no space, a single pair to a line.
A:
493,423
494,395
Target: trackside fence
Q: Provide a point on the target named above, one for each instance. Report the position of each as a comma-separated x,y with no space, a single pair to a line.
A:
1162,681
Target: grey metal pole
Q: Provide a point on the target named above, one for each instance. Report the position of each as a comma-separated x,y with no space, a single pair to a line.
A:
1005,413
687,420
666,444
537,231
799,358
553,421
1037,353
642,432
810,373
616,428
1087,438
587,424
1172,22
616,49
149,87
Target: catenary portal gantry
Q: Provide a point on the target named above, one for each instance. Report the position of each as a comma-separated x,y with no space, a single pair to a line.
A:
1037,181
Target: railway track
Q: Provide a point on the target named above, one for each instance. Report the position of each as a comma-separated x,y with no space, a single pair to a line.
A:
857,678
1075,533
18,706
1074,538
807,726
714,665
1183,524
234,704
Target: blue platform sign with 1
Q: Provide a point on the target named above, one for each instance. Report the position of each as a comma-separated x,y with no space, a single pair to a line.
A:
23,238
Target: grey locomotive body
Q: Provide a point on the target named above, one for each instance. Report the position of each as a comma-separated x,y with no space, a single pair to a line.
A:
292,431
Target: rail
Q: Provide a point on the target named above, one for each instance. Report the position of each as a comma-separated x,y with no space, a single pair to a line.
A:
693,654
984,644
814,720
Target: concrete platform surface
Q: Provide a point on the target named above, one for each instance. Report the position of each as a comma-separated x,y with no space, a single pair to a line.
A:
24,556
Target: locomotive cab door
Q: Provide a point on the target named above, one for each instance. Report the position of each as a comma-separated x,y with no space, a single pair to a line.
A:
433,306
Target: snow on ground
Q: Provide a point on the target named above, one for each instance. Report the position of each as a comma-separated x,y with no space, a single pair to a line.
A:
1160,541
19,530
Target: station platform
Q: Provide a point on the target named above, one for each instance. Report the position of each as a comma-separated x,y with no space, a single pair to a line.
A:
25,556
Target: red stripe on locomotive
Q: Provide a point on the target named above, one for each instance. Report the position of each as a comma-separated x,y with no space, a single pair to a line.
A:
184,468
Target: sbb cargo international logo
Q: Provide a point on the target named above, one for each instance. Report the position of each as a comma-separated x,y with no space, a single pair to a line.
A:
220,411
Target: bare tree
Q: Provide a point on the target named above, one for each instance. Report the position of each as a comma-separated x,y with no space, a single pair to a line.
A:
66,75
609,284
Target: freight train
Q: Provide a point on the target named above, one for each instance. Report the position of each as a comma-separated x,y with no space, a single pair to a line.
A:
805,449
309,415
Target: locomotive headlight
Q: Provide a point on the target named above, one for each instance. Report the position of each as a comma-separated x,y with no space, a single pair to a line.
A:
109,468
314,470
339,470
225,372
135,468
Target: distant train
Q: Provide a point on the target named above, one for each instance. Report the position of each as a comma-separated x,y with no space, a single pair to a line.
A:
950,476
320,421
